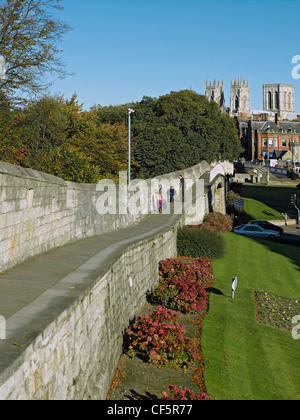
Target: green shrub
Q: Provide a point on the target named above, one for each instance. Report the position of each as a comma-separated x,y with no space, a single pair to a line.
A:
199,243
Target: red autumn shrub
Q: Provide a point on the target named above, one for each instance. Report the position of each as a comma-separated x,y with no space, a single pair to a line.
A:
198,269
159,339
176,393
181,286
217,222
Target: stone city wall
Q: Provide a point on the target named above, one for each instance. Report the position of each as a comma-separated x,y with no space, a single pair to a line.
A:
75,355
39,212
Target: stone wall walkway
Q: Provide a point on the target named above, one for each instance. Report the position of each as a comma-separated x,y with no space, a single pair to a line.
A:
35,292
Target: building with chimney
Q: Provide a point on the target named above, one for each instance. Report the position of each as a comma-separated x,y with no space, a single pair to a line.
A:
265,139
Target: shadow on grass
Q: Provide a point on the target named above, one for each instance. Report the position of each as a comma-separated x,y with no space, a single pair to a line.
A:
287,245
215,291
268,213
278,198
133,395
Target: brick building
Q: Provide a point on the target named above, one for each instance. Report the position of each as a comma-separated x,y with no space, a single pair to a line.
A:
270,133
263,138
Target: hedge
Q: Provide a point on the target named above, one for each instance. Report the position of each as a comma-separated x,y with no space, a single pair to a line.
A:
199,243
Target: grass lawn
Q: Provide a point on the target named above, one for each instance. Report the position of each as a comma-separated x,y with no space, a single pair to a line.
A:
244,359
260,211
267,201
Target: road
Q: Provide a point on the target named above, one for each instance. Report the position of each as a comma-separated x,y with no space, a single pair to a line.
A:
291,236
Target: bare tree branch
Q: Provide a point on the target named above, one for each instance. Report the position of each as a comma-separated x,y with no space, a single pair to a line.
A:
29,37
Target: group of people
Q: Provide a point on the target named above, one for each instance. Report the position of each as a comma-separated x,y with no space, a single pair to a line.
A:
161,196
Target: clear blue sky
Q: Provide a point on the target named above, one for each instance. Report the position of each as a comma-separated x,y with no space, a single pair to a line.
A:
121,50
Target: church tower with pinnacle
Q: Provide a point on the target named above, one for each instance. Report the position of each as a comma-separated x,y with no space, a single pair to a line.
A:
240,97
215,92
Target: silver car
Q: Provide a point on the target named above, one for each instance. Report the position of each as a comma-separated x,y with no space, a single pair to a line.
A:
256,231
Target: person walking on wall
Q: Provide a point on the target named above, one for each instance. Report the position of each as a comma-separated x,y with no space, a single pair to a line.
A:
161,199
171,192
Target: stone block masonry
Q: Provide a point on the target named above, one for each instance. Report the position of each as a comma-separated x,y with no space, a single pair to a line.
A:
39,212
72,339
66,342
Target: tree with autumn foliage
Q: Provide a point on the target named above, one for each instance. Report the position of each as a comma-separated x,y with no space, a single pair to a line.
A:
57,136
104,144
106,147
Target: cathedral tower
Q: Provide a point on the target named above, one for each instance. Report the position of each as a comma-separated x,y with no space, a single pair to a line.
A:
279,98
240,97
215,92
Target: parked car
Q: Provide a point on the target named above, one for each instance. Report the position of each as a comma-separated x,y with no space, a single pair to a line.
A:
256,231
267,225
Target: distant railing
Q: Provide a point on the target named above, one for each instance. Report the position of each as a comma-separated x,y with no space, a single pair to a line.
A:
273,169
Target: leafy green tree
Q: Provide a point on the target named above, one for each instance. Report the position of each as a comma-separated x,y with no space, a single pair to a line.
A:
65,161
45,123
169,133
159,160
12,146
179,130
230,145
113,114
104,144
56,136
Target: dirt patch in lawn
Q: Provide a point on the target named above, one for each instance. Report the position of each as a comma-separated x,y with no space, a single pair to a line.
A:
275,311
137,380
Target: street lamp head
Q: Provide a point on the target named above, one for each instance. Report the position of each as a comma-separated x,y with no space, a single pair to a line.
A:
130,110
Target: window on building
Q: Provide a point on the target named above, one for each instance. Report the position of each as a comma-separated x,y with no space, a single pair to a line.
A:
270,100
237,102
276,100
275,142
284,142
265,142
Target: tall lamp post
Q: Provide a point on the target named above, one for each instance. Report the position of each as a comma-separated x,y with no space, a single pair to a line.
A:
130,111
293,144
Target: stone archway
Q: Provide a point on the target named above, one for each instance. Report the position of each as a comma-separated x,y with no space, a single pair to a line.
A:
219,205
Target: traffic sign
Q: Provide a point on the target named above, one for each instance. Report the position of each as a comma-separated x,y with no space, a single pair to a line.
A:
239,203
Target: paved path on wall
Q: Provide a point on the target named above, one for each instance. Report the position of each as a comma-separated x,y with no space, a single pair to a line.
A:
35,292
20,285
